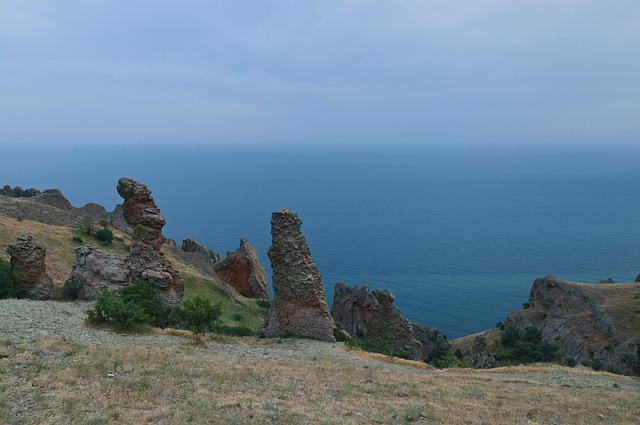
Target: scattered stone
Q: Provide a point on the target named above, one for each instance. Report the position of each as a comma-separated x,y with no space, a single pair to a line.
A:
243,271
300,305
29,270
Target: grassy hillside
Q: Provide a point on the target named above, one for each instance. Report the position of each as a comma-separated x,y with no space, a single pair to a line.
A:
60,245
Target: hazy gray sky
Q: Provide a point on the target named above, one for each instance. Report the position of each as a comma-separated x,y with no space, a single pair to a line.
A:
412,71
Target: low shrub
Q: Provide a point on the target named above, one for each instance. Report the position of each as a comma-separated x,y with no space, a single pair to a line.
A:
70,290
234,330
7,289
528,346
111,310
131,308
451,361
104,236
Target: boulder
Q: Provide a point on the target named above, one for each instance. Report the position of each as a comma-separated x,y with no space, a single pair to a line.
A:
609,280
145,260
96,270
242,270
28,269
351,308
299,306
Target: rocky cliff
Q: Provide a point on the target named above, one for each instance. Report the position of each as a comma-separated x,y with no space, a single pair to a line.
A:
591,324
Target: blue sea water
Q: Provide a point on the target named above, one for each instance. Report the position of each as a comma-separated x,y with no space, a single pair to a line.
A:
456,233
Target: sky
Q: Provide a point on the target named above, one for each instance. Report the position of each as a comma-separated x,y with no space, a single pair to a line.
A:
422,72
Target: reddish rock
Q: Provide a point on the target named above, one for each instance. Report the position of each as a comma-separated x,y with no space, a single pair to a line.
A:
351,308
299,306
242,270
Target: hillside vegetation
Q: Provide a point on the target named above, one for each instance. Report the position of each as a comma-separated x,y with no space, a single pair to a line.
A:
60,245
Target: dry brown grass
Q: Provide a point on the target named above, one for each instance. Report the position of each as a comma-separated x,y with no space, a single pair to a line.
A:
56,381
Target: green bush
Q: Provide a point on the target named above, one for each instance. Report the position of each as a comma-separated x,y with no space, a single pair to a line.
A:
7,289
131,308
528,346
144,294
197,315
70,290
112,311
77,239
105,236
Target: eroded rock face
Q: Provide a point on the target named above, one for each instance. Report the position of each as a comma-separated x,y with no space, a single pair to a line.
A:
96,270
300,305
145,260
431,339
574,318
371,315
387,322
479,355
243,271
351,308
29,270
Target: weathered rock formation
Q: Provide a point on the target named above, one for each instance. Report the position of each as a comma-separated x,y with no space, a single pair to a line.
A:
387,322
371,315
479,355
433,342
145,260
299,306
243,271
194,254
96,270
18,192
29,270
589,323
609,280
352,308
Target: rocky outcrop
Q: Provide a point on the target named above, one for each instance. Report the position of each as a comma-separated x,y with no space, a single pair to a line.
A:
242,270
28,269
479,355
145,260
433,342
609,280
18,192
96,270
577,319
55,198
299,306
388,323
194,254
371,315
351,308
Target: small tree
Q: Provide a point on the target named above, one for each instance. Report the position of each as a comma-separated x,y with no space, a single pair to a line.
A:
197,315
105,236
87,226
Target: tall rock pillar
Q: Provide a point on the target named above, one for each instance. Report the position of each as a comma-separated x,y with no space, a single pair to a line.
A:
299,306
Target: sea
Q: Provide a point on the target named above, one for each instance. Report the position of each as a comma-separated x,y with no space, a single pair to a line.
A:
457,233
